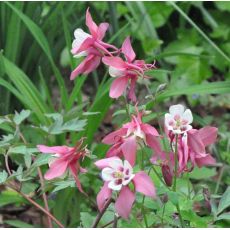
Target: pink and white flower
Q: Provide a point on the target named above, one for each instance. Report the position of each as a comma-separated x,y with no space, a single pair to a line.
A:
65,158
117,176
178,119
125,71
90,45
125,141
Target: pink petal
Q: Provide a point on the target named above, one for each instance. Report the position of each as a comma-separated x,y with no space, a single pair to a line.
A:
124,202
103,196
195,142
118,87
102,29
104,162
149,130
84,46
74,170
54,149
91,24
57,169
128,50
114,136
83,170
154,143
132,95
144,184
208,135
114,150
115,62
207,160
129,148
89,64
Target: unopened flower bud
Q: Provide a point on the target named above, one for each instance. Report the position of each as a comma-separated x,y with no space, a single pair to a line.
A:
167,174
161,88
164,198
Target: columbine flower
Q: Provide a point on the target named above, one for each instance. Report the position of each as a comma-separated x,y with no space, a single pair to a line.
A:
125,141
117,176
178,119
125,71
90,45
197,141
65,158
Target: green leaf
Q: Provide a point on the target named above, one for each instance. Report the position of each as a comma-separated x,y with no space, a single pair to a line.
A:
225,201
27,92
224,216
42,160
3,176
20,117
10,197
86,219
22,149
64,184
18,224
202,173
42,41
6,140
173,197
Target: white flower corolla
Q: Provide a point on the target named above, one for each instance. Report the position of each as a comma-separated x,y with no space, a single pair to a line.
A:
118,174
114,72
178,119
80,36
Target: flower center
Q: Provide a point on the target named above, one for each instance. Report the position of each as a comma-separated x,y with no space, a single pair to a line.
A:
118,175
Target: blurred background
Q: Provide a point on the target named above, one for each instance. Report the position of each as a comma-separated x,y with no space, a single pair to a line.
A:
190,42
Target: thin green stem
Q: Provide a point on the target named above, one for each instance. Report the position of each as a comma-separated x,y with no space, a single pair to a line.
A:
142,206
175,178
159,177
200,31
162,217
219,179
180,217
189,189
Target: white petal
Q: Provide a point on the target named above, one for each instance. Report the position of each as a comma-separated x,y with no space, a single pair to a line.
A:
80,37
112,184
116,164
176,109
128,166
114,72
107,174
81,54
125,182
187,116
168,118
188,127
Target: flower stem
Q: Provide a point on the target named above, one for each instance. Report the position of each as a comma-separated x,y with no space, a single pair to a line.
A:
36,205
175,178
100,214
44,197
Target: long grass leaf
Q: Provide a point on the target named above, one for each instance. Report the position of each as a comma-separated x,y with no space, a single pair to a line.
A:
200,31
42,41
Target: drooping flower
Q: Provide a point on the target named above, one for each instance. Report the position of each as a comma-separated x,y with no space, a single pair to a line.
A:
125,71
117,176
195,144
65,158
90,45
125,141
191,142
178,119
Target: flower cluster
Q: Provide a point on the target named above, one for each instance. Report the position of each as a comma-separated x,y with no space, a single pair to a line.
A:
187,145
126,72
